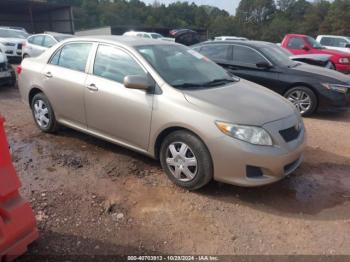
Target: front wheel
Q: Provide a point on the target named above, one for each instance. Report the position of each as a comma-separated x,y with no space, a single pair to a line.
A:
43,114
186,160
303,98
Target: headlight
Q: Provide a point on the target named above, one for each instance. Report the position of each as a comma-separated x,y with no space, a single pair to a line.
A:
251,134
9,44
344,60
335,87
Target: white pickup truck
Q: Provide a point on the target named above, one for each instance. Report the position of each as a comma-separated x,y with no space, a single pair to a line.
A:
341,43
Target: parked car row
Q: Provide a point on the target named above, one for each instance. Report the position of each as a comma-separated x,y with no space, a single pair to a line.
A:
16,43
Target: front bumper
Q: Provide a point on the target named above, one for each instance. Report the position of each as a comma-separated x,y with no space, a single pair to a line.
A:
231,157
330,100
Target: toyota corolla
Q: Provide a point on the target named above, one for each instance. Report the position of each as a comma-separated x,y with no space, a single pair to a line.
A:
169,102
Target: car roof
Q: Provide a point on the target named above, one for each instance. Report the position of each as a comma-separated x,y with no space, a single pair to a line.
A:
124,40
333,36
250,43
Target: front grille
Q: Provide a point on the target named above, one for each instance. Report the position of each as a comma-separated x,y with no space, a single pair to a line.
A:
254,172
290,134
19,46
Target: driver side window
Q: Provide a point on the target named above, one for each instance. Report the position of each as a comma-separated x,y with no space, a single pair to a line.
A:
246,56
114,64
295,43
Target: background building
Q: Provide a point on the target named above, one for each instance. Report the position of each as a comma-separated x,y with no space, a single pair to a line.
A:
37,16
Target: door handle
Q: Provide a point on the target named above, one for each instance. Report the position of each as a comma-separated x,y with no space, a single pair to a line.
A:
92,87
48,75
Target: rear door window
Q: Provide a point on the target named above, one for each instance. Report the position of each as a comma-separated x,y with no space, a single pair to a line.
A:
73,56
340,42
216,52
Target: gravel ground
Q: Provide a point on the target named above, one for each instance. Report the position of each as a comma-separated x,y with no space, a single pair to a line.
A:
92,197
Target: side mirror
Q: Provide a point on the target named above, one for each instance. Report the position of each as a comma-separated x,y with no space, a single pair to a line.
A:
263,65
306,48
347,45
138,82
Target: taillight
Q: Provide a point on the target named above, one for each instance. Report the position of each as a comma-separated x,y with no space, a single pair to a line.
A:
19,69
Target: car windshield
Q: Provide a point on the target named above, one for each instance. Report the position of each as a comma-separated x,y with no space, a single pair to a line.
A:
278,55
7,33
314,43
156,36
182,67
60,38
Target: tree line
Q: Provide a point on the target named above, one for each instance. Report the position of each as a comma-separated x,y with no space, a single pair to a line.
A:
267,20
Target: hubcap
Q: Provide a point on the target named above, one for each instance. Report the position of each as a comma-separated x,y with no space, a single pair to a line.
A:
181,161
301,100
41,113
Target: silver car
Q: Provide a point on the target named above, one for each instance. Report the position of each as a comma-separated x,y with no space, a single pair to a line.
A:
35,45
169,102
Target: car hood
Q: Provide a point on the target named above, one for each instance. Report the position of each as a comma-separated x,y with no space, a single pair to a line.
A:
242,103
321,72
333,52
12,40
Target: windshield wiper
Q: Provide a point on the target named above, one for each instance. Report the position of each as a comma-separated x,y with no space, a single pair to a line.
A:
187,85
218,82
215,82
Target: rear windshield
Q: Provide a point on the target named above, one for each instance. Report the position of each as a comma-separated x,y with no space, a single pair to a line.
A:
60,38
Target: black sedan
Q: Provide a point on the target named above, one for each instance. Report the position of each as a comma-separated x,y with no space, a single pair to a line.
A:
308,87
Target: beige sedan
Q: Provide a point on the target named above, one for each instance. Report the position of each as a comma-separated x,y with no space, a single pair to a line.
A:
168,102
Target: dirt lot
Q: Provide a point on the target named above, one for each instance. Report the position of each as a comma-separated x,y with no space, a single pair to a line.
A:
92,197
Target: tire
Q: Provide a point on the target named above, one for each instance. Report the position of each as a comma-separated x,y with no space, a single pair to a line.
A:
298,94
13,81
41,108
194,160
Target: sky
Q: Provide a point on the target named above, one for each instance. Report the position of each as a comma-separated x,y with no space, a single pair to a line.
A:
229,5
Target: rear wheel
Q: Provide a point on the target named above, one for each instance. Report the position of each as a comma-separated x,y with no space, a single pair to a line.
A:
303,98
43,114
186,160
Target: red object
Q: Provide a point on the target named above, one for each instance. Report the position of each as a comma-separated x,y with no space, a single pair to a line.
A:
19,69
303,44
17,221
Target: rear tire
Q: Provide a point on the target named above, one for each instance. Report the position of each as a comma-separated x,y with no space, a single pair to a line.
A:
303,98
186,160
43,114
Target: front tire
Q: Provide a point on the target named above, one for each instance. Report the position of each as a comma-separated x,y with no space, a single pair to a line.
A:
186,160
303,98
43,114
